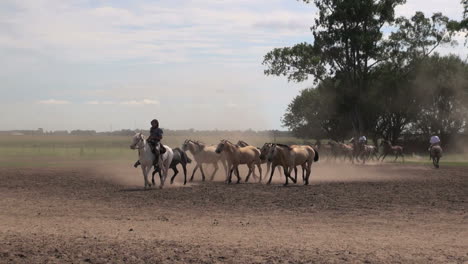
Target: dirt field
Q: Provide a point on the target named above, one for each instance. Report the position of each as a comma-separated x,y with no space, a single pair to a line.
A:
99,213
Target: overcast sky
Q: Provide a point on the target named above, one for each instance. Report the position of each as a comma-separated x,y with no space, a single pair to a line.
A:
89,64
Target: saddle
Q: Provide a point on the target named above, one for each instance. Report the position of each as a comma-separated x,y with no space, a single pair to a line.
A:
162,149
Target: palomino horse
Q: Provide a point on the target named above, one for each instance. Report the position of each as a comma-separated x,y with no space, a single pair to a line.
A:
436,154
236,156
180,157
146,158
242,143
388,148
204,154
291,156
304,156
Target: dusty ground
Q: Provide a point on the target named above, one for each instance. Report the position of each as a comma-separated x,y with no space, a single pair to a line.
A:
98,213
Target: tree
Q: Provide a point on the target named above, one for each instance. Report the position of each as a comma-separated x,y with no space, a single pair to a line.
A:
315,113
347,45
442,86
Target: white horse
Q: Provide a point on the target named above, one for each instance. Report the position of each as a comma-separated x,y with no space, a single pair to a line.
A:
204,154
146,158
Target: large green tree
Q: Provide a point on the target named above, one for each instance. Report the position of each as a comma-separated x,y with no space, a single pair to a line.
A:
363,78
441,86
347,45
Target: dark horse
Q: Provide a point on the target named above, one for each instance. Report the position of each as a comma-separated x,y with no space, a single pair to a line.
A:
180,157
436,154
388,148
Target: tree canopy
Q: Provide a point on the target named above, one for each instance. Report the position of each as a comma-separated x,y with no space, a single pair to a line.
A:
367,66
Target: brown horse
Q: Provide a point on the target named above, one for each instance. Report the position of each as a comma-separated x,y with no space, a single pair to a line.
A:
236,156
291,156
388,148
347,151
436,154
278,155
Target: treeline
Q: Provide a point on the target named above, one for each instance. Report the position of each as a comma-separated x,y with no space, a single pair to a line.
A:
188,133
384,87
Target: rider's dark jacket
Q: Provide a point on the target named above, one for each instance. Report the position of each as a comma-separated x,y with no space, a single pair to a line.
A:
156,134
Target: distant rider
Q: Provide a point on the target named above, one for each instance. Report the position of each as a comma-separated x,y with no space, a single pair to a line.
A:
363,140
434,141
156,135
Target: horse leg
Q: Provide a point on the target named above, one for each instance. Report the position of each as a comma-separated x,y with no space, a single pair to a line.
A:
216,167
383,156
268,165
194,170
175,174
229,179
237,174
184,167
295,175
161,178
259,165
202,172
250,172
152,176
272,171
288,175
145,179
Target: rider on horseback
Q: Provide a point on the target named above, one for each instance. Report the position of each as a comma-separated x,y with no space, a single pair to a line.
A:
434,141
362,140
156,135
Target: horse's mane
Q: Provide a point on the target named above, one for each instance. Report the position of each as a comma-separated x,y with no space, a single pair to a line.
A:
227,141
242,142
283,146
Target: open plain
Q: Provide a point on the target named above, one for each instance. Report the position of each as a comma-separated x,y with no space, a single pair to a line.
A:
98,212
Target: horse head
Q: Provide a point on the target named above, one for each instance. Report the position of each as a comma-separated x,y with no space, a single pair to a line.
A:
137,140
272,152
221,146
264,150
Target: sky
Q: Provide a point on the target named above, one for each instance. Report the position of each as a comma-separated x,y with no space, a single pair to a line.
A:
115,64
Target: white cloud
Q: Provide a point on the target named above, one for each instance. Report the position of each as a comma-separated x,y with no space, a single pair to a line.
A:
129,102
141,102
53,102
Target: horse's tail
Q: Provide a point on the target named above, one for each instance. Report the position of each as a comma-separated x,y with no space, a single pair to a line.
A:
316,157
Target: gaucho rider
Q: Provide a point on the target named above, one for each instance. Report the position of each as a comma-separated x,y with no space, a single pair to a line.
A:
156,135
434,141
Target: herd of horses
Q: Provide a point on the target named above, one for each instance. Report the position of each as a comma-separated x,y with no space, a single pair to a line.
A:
361,152
285,158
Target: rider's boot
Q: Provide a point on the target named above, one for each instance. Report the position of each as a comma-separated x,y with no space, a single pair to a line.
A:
136,163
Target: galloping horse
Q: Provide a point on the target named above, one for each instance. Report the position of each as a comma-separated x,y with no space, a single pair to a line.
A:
388,148
304,156
236,155
291,156
363,151
436,154
146,158
278,155
180,157
347,151
242,143
204,154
